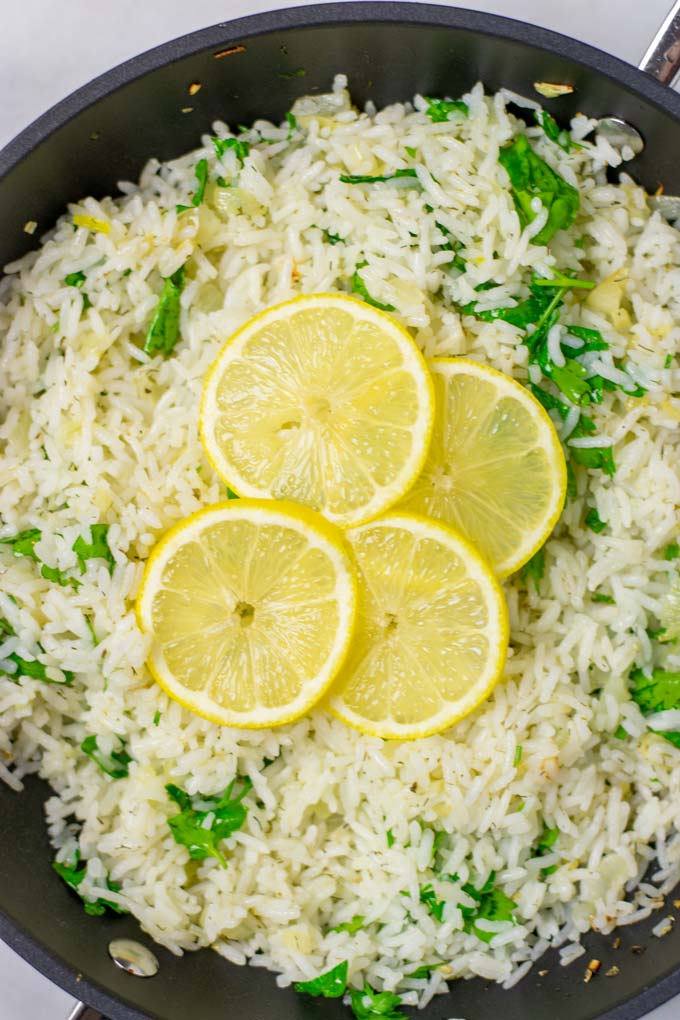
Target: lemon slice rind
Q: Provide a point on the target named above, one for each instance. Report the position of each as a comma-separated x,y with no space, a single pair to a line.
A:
321,536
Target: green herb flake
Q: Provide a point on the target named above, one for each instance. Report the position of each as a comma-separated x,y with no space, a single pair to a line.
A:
299,72
410,151
331,985
332,238
23,543
163,332
96,549
77,280
434,906
59,577
377,178
389,835
89,623
351,927
438,842
292,125
608,600
6,629
114,764
594,521
546,841
620,733
204,822
491,905
534,570
672,551
359,287
231,494
201,173
34,670
440,110
157,717
367,1004
73,874
531,177
241,148
668,361
424,972
518,755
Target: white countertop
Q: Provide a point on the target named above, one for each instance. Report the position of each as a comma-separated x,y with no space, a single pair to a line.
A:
49,47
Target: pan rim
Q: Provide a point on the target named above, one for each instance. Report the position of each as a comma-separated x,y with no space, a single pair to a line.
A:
377,12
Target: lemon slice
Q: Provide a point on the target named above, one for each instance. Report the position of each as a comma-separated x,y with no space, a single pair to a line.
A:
250,605
432,630
323,400
495,470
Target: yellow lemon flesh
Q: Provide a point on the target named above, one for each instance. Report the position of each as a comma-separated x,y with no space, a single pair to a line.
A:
495,469
323,400
432,630
250,606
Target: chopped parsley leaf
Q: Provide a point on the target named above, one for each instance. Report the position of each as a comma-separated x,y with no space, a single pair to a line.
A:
73,874
34,670
598,596
672,551
114,764
351,927
594,521
241,148
368,1004
331,985
203,822
96,549
429,897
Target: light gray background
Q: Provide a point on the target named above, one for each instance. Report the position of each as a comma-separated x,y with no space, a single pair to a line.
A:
50,47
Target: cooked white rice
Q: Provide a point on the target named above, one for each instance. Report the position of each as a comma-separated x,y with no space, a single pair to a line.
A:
94,431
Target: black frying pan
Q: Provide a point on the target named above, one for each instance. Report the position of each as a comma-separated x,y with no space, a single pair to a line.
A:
104,133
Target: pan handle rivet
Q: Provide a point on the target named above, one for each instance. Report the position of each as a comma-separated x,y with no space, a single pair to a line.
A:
621,136
133,958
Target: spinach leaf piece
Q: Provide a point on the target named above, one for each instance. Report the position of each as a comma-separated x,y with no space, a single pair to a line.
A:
359,287
163,332
602,597
203,822
376,179
672,551
351,927
59,577
73,875
240,147
332,238
331,985
530,178
368,1004
114,764
96,549
35,670
554,132
439,110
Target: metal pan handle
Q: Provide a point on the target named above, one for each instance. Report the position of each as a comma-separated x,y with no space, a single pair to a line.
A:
83,1012
662,59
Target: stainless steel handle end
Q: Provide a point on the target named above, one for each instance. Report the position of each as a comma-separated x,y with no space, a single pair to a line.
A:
662,58
83,1012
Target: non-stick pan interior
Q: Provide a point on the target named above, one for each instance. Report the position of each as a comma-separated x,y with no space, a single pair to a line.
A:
105,133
